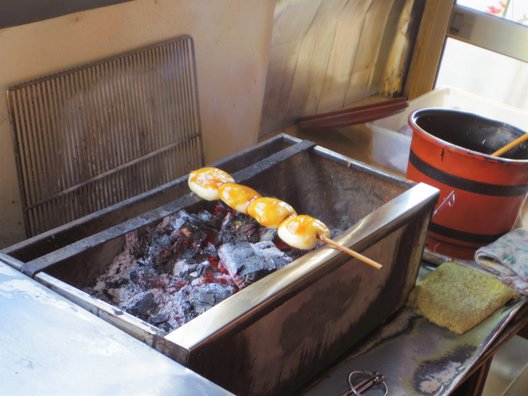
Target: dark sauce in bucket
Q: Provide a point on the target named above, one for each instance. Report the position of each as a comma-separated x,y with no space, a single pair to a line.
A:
471,132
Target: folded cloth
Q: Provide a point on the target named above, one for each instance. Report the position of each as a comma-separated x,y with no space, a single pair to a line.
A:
458,297
507,258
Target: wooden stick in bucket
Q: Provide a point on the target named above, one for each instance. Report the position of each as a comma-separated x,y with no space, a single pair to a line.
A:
510,145
350,252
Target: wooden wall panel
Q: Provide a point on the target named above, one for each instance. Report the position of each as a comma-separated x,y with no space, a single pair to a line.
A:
368,56
326,54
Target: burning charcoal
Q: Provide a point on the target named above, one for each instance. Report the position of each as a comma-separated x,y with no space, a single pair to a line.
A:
267,234
122,295
196,300
159,249
206,217
203,220
172,272
140,304
178,221
176,234
210,250
209,295
174,222
247,262
134,276
144,276
198,237
189,271
179,308
270,254
159,318
200,268
179,266
238,227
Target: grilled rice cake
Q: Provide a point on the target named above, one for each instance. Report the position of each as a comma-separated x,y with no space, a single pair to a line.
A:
458,297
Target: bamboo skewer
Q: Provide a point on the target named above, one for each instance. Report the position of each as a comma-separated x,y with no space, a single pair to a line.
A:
350,252
510,145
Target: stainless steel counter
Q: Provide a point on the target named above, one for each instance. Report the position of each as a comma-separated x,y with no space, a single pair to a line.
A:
50,346
416,356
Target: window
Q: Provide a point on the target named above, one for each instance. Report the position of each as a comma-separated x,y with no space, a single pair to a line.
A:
477,45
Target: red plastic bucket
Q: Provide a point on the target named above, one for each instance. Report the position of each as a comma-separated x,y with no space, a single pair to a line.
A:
480,195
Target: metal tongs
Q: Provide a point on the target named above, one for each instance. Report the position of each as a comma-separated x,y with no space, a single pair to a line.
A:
367,380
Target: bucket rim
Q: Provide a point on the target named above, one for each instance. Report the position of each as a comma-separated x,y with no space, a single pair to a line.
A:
413,124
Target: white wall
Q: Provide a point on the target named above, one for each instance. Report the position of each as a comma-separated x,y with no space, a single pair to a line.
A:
232,39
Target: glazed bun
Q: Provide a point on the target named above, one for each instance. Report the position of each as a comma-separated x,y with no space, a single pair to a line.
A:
205,182
302,232
237,196
270,212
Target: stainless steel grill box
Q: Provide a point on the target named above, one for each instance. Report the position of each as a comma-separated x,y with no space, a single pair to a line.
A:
277,334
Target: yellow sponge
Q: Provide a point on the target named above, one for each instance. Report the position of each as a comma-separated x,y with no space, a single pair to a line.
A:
458,297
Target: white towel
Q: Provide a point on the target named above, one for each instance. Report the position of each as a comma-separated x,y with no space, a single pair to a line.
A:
507,258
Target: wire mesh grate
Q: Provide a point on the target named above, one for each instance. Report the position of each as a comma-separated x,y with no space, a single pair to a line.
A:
89,137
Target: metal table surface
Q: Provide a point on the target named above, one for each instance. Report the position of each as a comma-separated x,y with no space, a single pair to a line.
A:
418,357
50,346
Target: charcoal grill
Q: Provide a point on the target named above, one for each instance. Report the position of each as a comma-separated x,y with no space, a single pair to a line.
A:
277,334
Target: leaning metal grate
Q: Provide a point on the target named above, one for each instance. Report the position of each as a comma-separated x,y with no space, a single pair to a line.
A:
89,137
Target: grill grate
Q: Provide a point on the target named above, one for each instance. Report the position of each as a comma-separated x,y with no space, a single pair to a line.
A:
89,137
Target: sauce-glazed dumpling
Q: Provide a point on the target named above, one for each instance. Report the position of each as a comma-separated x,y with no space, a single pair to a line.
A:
237,196
302,232
270,212
205,182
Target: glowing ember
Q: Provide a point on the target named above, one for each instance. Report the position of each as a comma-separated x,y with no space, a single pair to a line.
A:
188,263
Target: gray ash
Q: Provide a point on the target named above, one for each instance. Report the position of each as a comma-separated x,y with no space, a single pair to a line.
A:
248,262
189,262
